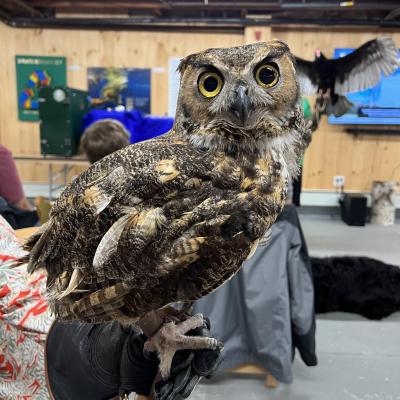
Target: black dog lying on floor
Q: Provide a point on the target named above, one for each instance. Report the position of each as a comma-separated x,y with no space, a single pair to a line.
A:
359,285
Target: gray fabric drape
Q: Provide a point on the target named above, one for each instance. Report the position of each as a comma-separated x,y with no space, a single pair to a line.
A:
267,310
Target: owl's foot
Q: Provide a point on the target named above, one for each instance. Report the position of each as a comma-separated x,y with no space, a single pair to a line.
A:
171,337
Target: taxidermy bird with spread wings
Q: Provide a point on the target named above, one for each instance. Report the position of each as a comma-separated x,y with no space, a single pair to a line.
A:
171,219
359,70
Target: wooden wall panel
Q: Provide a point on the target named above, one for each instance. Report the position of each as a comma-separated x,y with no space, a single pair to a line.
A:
332,152
254,34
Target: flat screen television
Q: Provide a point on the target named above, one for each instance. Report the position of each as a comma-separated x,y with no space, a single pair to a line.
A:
379,105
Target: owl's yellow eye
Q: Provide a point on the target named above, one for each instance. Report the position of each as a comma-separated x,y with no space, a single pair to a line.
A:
210,84
267,75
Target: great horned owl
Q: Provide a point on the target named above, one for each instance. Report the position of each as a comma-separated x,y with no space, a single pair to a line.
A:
170,219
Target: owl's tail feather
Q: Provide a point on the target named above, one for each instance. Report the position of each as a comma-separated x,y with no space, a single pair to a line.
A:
35,246
99,314
75,280
340,107
95,305
253,249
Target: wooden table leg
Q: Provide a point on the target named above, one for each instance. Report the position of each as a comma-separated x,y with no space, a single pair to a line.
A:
270,381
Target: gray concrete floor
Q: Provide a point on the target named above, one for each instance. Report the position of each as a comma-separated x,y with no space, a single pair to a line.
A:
330,236
358,359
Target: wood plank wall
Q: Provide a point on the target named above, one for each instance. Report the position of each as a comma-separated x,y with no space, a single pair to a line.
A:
361,159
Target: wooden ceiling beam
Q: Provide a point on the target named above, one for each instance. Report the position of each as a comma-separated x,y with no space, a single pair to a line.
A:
238,5
210,5
22,5
63,4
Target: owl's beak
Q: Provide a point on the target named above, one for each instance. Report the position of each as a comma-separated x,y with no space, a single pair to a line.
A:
241,105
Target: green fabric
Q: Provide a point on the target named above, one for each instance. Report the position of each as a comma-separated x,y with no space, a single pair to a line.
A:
307,115
307,109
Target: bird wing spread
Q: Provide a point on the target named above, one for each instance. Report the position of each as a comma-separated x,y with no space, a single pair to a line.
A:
363,68
307,75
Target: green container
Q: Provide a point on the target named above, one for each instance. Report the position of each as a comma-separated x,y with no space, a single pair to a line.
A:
61,110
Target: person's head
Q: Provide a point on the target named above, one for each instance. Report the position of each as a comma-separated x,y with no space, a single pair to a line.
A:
103,137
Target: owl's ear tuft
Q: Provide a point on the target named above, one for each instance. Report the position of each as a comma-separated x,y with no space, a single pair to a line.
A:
280,42
184,63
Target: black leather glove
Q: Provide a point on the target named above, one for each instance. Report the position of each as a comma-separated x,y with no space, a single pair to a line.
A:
138,369
97,362
188,367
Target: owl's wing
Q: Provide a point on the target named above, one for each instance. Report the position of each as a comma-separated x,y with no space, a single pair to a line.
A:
307,75
98,198
266,239
196,253
146,228
363,68
203,223
142,263
128,229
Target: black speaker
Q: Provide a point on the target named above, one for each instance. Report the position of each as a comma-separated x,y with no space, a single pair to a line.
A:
354,209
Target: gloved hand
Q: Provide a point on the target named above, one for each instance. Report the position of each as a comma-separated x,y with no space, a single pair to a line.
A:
87,361
138,370
188,367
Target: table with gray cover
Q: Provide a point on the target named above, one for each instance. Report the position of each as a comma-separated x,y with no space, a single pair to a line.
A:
266,311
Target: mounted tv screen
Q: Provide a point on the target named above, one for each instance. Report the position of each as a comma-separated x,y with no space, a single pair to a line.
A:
379,105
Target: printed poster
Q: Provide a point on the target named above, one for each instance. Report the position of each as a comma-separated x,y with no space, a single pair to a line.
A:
33,73
110,87
173,82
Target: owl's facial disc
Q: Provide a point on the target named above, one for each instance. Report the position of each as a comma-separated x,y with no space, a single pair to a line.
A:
232,97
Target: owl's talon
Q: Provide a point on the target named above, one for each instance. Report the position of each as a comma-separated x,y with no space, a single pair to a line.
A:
171,338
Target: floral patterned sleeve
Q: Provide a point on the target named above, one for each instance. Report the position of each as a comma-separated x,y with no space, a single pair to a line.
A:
24,322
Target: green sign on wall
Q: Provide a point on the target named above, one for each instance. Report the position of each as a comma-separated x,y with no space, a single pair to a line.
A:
34,72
